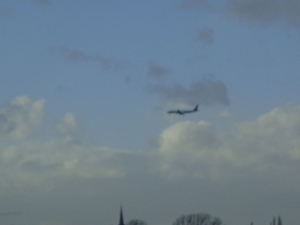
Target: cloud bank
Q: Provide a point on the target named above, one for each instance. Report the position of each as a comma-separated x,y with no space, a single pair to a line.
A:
265,150
27,162
270,144
197,150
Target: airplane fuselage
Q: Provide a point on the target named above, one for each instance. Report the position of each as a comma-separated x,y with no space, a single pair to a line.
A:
182,112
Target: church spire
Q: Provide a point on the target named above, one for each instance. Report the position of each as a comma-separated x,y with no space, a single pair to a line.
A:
121,217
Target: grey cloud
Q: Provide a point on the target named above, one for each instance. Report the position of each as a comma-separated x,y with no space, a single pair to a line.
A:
205,93
206,35
195,4
265,11
108,65
157,71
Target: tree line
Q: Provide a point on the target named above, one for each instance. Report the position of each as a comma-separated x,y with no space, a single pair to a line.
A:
199,219
191,219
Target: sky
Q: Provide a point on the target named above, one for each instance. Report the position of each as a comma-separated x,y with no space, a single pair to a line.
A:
85,90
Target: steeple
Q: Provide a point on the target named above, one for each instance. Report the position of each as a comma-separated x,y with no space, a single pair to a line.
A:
121,217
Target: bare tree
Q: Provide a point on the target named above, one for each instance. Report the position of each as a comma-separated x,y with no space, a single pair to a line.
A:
136,222
279,222
198,219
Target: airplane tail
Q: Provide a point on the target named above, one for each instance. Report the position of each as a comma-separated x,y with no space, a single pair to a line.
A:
196,108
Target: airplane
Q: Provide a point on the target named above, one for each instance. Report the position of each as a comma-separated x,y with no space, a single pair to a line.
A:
182,112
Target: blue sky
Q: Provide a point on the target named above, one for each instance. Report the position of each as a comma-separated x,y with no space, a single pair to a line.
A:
85,90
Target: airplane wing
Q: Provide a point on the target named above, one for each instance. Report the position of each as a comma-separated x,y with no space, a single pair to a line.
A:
176,112
172,112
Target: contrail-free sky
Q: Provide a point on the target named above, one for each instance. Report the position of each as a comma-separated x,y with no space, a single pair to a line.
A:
85,89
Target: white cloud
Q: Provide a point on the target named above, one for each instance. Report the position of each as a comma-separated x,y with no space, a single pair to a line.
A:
44,163
187,149
200,139
69,126
17,120
198,150
225,115
273,135
21,101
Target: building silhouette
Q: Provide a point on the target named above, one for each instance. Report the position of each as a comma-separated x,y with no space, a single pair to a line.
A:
121,221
